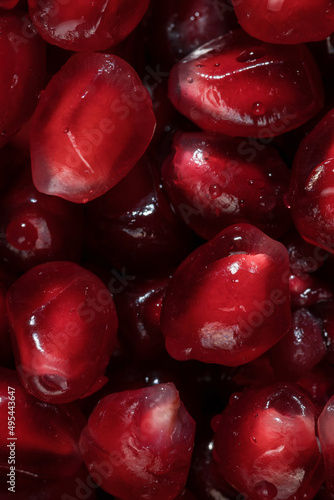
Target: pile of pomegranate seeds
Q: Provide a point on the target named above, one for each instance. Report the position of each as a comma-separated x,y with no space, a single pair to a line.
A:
166,250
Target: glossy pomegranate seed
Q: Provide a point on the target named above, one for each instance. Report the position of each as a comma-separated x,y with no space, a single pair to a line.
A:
35,228
93,122
301,349
304,257
325,429
57,311
22,72
141,441
214,182
265,443
240,86
47,436
311,197
133,226
178,28
86,25
277,21
138,310
208,312
308,290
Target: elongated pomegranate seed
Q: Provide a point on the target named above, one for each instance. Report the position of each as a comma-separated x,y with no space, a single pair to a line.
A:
93,122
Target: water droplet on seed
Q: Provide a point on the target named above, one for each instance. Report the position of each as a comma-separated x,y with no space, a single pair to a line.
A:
251,55
190,80
258,108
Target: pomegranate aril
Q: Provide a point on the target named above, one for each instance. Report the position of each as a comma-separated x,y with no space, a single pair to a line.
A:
35,228
214,182
134,228
265,443
47,436
92,124
308,290
143,439
176,29
85,25
278,21
240,86
57,311
138,310
301,349
311,189
303,257
8,4
208,313
22,72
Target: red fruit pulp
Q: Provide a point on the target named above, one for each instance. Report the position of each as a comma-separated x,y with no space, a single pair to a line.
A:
239,86
265,443
47,436
22,55
85,25
142,440
312,186
208,312
93,123
57,311
278,21
214,182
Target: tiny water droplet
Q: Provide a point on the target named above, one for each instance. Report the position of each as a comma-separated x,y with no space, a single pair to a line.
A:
217,64
85,200
258,108
242,203
215,191
199,65
66,130
190,80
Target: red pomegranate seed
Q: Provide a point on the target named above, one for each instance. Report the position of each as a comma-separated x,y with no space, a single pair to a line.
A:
134,228
93,123
85,25
311,190
64,325
278,21
23,65
47,436
301,349
265,443
35,228
140,442
240,86
208,312
214,182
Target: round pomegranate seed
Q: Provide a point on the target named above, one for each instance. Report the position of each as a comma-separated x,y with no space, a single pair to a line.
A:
265,442
57,311
208,312
214,182
22,72
92,124
240,86
85,25
278,21
135,437
35,228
